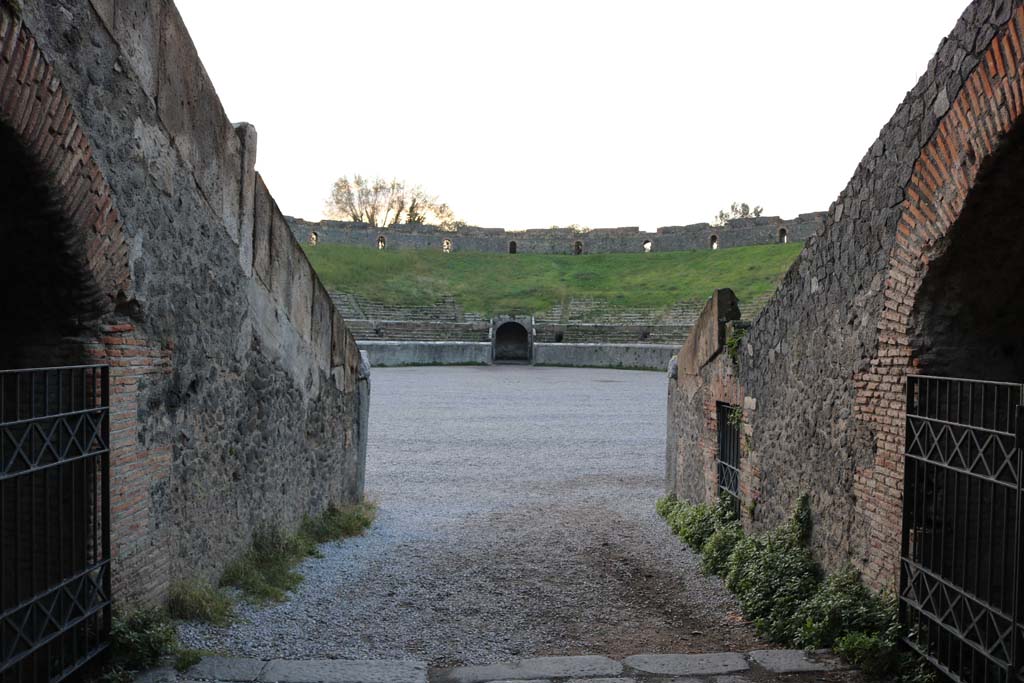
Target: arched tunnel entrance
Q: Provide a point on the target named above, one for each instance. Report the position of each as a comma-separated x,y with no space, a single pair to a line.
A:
54,457
511,343
969,313
962,484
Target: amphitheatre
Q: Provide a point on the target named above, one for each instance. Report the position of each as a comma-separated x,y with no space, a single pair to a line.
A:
239,446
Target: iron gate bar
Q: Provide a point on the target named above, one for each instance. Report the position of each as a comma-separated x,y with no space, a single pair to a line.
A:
961,556
728,456
55,600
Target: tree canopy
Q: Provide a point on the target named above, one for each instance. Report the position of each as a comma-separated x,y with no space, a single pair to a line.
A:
737,210
382,202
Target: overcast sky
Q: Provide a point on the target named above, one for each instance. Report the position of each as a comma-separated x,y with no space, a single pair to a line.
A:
552,112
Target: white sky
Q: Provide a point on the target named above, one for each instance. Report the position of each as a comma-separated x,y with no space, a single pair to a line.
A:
551,112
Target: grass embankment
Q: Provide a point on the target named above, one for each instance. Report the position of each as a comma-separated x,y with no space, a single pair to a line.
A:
490,284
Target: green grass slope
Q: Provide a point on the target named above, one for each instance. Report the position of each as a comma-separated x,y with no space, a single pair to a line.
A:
531,283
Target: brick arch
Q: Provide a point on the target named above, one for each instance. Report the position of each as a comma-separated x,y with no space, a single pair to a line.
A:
971,132
39,115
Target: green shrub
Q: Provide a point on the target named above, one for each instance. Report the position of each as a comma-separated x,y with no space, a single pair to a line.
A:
876,654
773,574
780,589
199,601
718,548
139,638
697,525
841,606
666,505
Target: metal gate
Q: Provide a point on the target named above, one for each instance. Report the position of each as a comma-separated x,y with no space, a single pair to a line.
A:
960,592
728,462
54,521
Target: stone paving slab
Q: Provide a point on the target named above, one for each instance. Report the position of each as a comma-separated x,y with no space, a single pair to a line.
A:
689,665
344,671
588,666
649,668
226,669
794,661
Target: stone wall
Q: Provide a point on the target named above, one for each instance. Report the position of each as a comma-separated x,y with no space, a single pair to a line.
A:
621,356
821,374
399,353
238,396
737,233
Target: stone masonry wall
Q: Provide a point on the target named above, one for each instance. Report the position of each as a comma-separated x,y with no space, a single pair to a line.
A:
821,374
239,397
737,233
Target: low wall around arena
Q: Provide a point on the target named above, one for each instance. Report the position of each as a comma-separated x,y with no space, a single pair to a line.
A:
623,356
398,353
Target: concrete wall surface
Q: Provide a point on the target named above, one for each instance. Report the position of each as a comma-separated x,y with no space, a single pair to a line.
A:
395,353
625,356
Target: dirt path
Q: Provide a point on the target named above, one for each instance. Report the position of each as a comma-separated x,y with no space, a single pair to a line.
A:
516,519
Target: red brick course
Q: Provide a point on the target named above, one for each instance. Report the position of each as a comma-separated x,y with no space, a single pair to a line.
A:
985,110
34,106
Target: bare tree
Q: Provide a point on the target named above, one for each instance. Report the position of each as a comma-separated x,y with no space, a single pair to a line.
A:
737,210
381,203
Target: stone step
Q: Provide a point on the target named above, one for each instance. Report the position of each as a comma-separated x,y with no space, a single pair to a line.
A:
794,666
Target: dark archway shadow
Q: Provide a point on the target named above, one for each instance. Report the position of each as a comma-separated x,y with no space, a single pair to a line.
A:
511,343
968,320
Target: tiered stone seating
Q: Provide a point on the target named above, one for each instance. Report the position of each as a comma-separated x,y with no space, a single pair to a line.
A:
577,321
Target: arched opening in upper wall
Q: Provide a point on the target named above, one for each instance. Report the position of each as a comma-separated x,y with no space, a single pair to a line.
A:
714,242
783,236
512,247
968,317
577,248
382,243
446,246
648,246
511,343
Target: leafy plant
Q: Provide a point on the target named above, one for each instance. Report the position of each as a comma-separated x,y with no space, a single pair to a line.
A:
666,505
718,548
733,342
772,576
140,637
780,588
842,606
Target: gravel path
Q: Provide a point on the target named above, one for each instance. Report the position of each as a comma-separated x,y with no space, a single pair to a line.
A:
516,519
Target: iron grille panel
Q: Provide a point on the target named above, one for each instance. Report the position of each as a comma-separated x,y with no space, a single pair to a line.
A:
960,576
54,521
728,462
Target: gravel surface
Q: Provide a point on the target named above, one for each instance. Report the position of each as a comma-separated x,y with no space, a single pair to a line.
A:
516,519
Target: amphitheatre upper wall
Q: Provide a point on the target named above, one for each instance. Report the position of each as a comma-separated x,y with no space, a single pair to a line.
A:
736,233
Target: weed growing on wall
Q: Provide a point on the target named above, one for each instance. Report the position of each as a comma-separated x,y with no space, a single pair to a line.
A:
733,343
781,589
266,572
